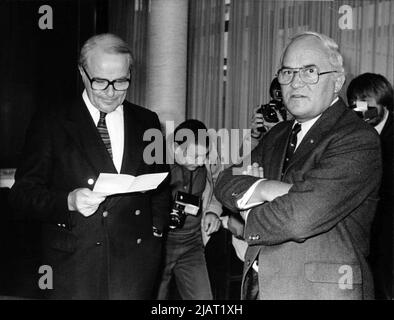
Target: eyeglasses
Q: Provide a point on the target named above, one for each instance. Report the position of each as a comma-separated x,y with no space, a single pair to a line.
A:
103,84
308,74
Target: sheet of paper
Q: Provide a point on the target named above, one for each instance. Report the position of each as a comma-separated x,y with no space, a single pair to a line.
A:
109,183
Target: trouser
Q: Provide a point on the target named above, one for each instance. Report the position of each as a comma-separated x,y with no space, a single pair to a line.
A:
185,260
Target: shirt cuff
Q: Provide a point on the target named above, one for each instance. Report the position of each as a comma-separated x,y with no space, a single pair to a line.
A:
243,204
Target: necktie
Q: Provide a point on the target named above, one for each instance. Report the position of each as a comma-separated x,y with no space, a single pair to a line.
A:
103,131
291,146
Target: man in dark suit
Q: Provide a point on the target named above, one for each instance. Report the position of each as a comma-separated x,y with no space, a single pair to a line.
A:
98,247
309,222
378,95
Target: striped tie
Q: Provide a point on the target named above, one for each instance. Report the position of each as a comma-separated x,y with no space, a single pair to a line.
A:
291,146
103,131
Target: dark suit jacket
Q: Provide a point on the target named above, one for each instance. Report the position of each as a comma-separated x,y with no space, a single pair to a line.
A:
107,255
381,256
317,236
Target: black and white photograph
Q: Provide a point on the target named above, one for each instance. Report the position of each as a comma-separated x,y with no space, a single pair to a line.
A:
206,151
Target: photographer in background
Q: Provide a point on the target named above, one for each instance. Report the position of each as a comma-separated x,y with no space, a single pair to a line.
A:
267,115
371,96
195,214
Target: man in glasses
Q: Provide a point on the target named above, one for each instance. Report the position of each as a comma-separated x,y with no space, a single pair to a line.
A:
307,222
98,247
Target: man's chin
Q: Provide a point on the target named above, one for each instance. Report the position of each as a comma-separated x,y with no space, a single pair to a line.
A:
108,107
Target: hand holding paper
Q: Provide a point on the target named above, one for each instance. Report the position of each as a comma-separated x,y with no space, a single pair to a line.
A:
109,184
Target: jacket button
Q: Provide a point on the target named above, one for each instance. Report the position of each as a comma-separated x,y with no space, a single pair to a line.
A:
105,214
137,212
98,243
139,240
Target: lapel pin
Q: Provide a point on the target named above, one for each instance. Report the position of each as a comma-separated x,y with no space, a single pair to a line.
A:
90,181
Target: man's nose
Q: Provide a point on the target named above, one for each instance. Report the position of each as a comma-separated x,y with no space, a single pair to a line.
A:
110,92
297,82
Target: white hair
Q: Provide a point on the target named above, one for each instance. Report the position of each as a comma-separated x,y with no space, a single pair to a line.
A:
108,42
334,56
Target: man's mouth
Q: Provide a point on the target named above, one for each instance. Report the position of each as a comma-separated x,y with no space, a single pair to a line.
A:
298,96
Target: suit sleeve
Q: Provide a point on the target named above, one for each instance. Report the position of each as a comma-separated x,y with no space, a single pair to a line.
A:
31,196
161,198
346,176
229,189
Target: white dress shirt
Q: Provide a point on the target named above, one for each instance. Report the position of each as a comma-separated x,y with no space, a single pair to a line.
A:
115,126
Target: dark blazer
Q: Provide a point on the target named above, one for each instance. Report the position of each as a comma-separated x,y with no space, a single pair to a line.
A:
317,236
113,253
381,256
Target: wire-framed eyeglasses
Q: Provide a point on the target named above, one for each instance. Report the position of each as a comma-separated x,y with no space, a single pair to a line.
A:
308,74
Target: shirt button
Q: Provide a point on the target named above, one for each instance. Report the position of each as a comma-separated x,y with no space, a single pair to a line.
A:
137,212
139,240
98,243
105,214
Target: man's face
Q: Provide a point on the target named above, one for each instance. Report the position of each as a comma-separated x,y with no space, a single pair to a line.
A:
371,101
307,101
110,66
191,156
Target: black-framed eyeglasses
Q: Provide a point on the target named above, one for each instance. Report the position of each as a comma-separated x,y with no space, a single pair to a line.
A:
103,84
308,74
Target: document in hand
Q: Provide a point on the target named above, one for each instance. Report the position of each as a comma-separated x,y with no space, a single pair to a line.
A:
109,183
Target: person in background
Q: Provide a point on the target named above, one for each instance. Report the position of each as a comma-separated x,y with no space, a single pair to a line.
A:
98,247
192,179
376,92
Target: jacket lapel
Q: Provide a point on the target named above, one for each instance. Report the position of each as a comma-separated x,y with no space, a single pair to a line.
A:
133,146
323,125
81,127
278,152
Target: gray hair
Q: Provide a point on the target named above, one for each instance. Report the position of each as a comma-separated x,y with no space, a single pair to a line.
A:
334,56
109,43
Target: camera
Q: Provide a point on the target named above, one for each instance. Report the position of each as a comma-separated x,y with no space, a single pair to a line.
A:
269,111
184,204
364,111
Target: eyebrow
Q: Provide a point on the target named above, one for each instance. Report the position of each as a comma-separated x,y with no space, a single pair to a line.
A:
307,66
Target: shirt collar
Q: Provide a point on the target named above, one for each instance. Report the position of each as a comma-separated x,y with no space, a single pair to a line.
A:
380,125
94,112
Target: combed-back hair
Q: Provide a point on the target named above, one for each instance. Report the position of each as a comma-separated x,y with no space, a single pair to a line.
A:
334,56
109,43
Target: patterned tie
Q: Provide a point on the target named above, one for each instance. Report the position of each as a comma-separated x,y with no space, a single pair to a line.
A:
103,131
291,146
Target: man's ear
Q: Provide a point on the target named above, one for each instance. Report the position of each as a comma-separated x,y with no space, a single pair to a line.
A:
339,81
81,72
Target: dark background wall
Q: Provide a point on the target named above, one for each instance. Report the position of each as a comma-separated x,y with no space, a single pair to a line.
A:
38,69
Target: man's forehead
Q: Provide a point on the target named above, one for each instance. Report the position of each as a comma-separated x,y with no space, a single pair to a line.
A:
304,52
100,61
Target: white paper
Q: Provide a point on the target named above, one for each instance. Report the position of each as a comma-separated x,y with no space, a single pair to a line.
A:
109,183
